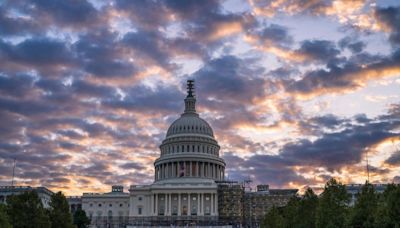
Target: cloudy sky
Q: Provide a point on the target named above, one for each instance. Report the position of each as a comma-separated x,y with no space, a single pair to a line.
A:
296,91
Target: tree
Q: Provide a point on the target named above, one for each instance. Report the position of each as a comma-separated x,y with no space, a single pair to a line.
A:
80,219
59,214
273,219
4,220
364,210
332,205
306,213
26,211
388,212
290,212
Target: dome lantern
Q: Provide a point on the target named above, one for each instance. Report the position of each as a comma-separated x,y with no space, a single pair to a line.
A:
190,100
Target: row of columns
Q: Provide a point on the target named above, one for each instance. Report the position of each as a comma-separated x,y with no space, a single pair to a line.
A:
168,149
189,169
206,204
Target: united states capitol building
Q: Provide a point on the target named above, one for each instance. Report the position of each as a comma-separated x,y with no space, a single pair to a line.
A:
189,186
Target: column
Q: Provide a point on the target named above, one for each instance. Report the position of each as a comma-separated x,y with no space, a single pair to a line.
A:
156,203
198,203
151,204
211,204
165,204
202,204
189,208
216,204
179,204
170,204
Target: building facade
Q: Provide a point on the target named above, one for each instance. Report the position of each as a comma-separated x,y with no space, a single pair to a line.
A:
189,185
43,193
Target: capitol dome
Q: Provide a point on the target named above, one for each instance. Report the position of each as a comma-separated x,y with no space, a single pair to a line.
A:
189,124
189,149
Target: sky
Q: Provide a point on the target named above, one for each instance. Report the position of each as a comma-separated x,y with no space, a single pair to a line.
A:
296,91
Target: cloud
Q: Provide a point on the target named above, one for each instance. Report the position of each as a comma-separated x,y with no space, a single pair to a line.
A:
340,77
39,51
394,158
389,18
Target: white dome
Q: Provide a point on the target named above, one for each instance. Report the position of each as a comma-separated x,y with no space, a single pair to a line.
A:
190,123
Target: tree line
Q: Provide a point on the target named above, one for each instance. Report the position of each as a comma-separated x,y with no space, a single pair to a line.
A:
26,211
332,208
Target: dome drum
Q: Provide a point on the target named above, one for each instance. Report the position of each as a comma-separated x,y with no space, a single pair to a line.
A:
190,168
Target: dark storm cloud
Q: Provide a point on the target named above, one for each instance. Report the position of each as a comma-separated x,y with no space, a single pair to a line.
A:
394,159
132,165
102,54
265,169
65,13
143,99
343,147
40,51
11,26
26,108
148,45
200,19
276,34
321,50
17,86
341,75
39,14
230,78
355,46
390,18
146,14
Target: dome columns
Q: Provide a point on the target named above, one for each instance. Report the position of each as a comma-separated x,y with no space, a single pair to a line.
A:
191,169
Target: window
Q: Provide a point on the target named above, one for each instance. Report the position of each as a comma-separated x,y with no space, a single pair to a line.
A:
99,204
140,198
120,205
139,210
91,205
110,205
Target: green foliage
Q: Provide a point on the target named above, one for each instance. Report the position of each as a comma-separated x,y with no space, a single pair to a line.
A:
4,220
299,212
59,214
80,219
388,211
331,209
305,216
26,211
364,210
332,205
273,219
